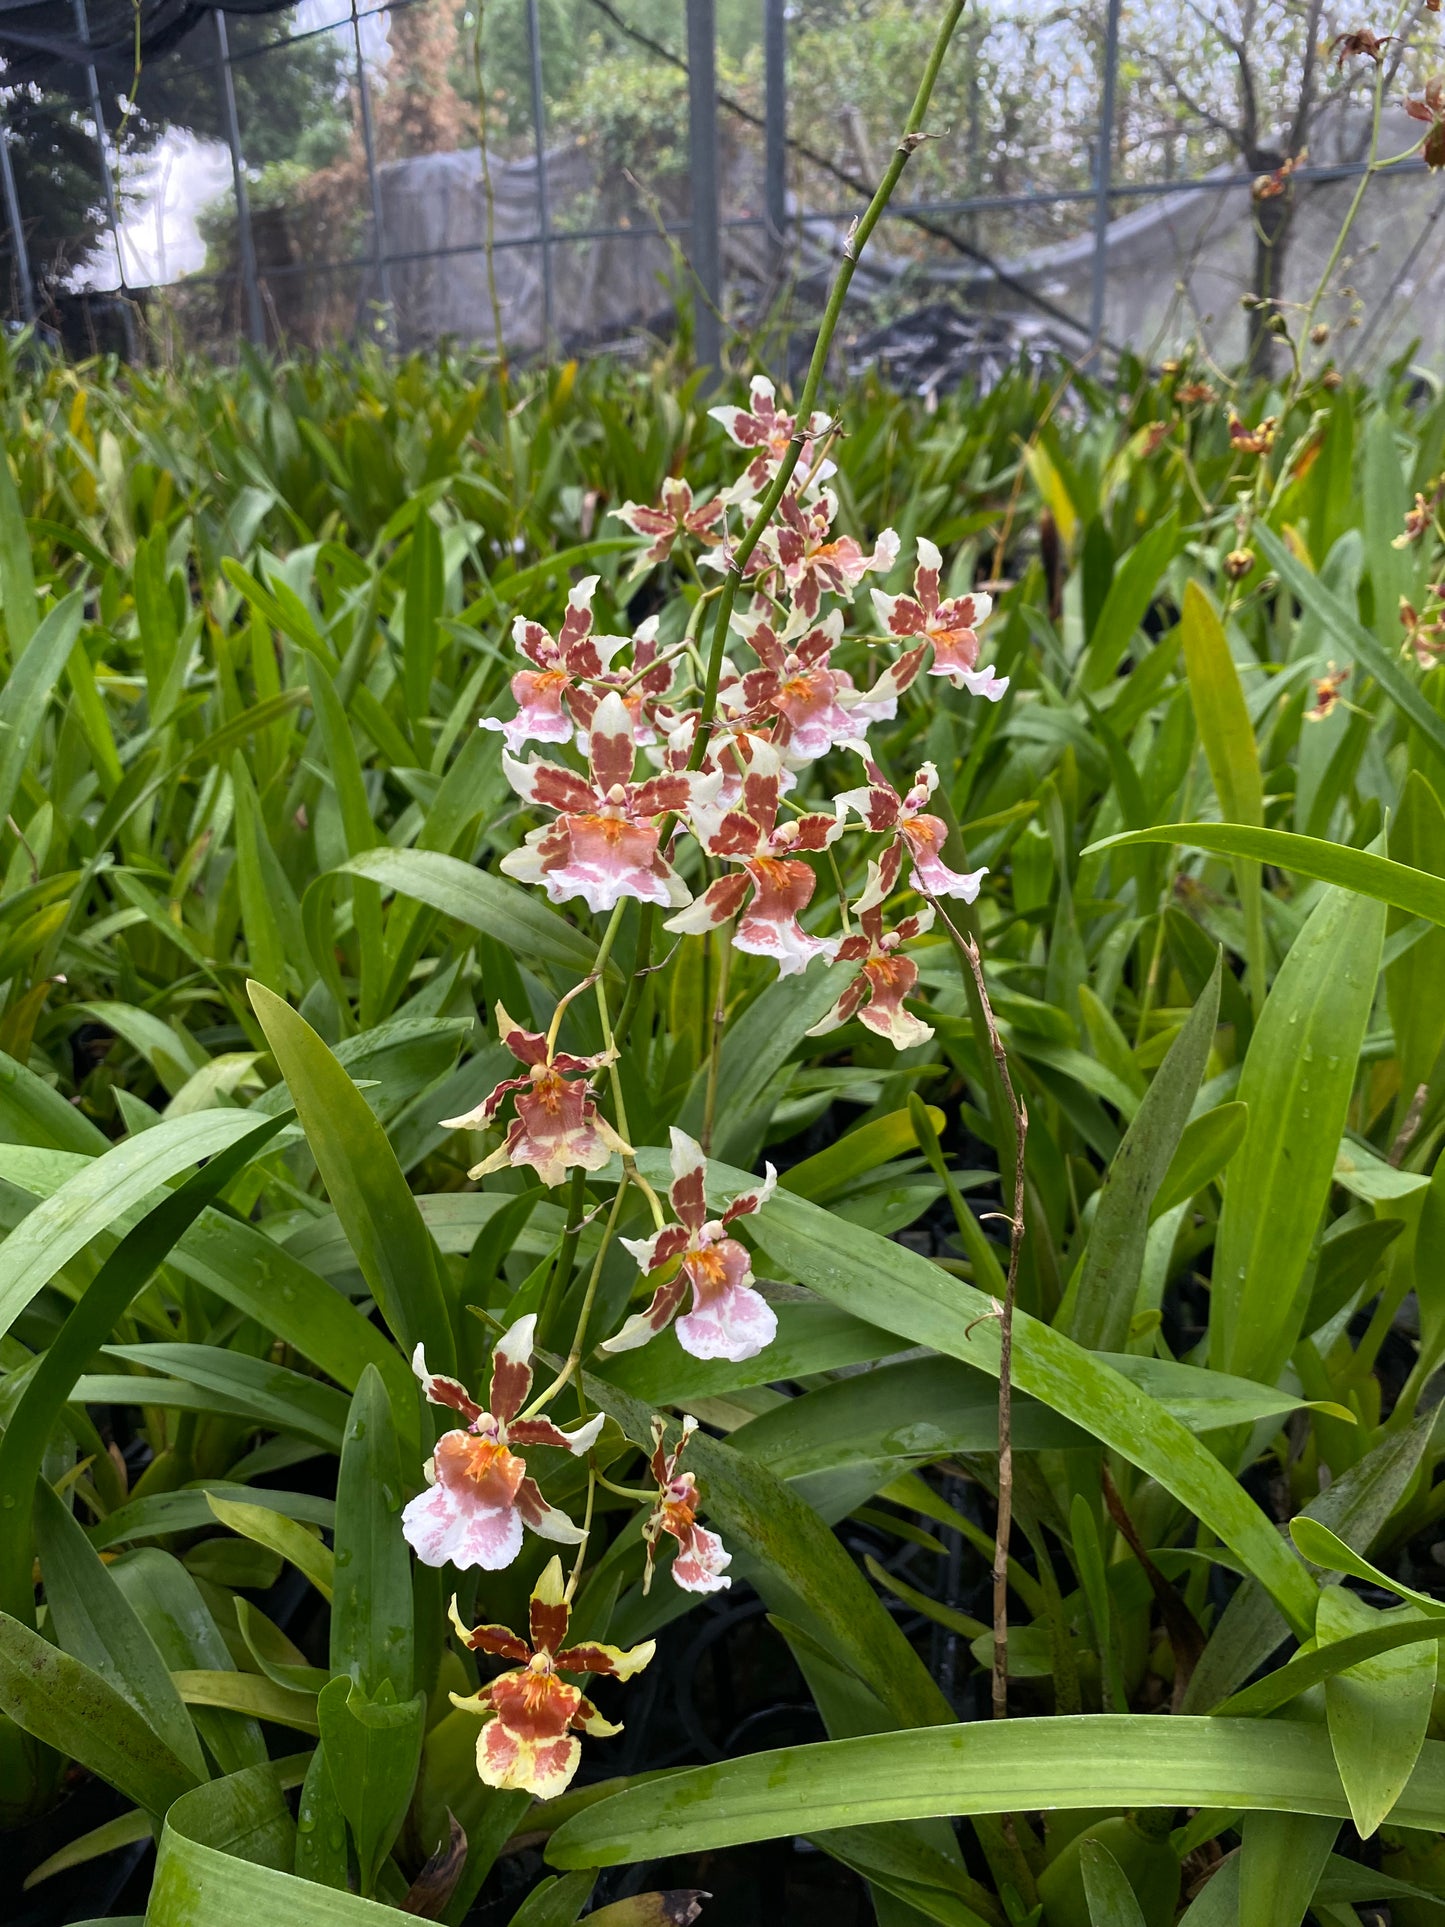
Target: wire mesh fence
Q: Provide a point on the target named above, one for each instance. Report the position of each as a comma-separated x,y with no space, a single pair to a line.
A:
554,176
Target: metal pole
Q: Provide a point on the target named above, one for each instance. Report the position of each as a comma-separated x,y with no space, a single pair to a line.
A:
255,319
112,209
368,141
705,247
539,134
775,123
17,229
1103,173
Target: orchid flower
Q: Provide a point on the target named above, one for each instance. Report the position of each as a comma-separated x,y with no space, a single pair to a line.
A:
812,559
727,1318
918,835
951,626
675,516
479,1493
764,428
557,1124
640,684
773,884
885,977
546,695
701,1560
532,1716
798,685
604,844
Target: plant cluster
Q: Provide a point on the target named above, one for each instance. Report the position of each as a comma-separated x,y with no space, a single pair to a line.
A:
900,1075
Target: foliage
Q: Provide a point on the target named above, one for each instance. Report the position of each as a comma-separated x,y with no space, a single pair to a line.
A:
261,929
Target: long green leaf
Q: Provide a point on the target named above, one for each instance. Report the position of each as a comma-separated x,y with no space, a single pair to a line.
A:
286,1536
75,1212
481,901
18,601
63,1702
95,1623
1345,628
990,1767
873,1277
222,1857
27,690
815,1581
363,1180
1297,1079
91,1201
1227,734
1374,876
371,1608
1114,1257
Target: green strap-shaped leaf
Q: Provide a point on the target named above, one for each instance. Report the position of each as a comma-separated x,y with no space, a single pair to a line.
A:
1357,1507
321,1828
89,1203
74,1214
1205,1147
479,900
1298,1075
18,601
1112,1901
27,690
874,1278
159,1513
1345,628
287,1536
1220,711
1377,1710
1283,1856
95,1622
371,1607
273,1394
1417,891
221,1859
1323,1662
373,1748
555,1902
755,1511
425,583
1227,734
1109,1282
175,1615
363,1180
988,1767
1415,981
31,1112
64,1703
250,1694
1135,584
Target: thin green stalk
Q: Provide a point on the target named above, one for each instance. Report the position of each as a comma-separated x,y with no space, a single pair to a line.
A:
642,965
575,1353
912,138
715,1038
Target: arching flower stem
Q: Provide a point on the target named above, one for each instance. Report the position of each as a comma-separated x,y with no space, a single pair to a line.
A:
913,137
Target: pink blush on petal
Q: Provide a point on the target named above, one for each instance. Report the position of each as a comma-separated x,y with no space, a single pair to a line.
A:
443,1526
735,1324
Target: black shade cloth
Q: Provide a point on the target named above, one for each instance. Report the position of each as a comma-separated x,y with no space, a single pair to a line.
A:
39,42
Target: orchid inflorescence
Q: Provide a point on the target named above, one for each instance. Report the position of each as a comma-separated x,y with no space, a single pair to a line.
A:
683,792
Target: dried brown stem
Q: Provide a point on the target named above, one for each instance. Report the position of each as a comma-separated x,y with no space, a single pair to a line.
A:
968,950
